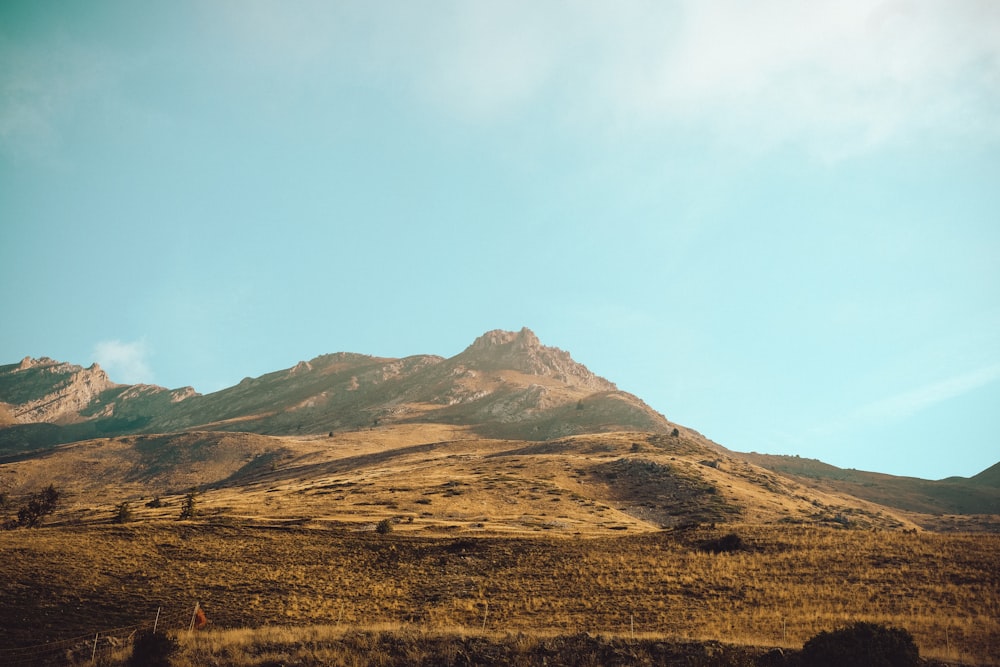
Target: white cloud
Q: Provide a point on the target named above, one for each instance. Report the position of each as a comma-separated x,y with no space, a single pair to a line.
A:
125,362
837,78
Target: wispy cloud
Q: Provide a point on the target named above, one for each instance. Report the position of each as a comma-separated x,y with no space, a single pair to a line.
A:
908,403
836,78
125,362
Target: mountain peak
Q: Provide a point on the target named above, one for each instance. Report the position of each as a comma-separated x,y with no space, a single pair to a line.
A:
522,351
523,339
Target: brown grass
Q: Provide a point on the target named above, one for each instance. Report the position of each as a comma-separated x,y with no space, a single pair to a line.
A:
788,584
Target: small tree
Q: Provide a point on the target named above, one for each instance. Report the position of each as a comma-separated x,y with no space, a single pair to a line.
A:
188,509
123,513
39,505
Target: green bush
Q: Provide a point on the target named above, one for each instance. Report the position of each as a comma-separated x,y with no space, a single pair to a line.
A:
861,645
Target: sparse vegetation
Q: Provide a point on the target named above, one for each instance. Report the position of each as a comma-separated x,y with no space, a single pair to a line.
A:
794,583
36,507
561,541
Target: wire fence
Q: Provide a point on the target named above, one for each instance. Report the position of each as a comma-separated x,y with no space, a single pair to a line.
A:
93,648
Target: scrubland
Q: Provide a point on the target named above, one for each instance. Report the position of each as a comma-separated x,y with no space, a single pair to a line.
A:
777,586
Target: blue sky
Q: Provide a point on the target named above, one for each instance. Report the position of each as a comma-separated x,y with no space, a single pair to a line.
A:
776,222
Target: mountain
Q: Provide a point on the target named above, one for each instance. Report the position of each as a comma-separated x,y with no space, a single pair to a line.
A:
506,384
498,431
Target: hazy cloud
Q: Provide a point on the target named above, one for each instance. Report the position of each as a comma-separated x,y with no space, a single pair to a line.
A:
836,78
125,362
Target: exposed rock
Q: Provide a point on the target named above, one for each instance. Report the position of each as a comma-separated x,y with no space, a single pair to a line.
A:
43,390
523,352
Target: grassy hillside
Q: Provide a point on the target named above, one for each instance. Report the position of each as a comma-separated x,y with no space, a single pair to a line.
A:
772,586
431,478
955,495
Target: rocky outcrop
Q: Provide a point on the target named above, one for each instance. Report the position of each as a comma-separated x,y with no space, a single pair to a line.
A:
43,390
522,351
47,391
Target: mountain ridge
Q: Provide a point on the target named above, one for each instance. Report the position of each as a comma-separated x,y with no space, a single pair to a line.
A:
503,383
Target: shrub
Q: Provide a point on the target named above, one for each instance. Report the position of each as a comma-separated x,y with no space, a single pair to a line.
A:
188,509
730,543
862,645
123,513
38,506
384,526
152,649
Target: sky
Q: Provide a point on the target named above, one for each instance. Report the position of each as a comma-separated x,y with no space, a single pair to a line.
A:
777,222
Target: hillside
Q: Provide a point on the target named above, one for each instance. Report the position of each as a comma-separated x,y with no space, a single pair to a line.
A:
978,495
505,489
509,435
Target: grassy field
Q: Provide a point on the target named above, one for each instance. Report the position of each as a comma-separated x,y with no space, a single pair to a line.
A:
780,586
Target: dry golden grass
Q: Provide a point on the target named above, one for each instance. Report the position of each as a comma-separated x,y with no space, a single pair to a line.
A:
791,582
542,538
434,478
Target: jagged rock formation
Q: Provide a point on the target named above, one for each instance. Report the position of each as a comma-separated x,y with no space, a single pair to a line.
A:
44,390
523,352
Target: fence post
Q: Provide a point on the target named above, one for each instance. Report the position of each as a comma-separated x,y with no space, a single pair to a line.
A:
194,615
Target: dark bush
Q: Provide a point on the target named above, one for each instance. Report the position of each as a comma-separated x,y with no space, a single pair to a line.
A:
189,508
152,649
123,513
861,645
728,544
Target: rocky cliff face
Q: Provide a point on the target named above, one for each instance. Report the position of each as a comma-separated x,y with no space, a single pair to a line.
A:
43,390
